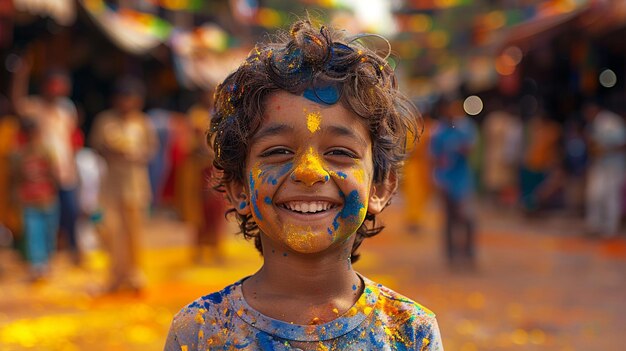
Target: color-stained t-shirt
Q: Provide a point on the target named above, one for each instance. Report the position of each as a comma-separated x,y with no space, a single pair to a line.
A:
381,319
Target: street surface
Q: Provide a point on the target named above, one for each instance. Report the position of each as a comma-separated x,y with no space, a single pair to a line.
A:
539,285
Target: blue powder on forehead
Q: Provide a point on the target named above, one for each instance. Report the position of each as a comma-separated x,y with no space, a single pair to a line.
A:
327,95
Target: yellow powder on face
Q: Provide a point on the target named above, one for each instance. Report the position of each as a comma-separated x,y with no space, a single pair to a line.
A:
359,173
310,168
256,171
299,237
313,121
336,310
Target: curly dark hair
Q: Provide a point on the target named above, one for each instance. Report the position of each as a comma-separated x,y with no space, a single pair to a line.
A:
304,60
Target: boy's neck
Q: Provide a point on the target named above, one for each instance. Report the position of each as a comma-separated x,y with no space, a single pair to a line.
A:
301,288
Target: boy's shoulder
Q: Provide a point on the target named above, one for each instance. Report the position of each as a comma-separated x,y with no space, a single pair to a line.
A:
212,301
187,323
397,305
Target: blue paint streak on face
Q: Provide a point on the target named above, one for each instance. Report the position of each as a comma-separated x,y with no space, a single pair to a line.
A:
267,200
272,178
342,175
330,232
351,207
326,178
242,205
327,95
353,287
254,198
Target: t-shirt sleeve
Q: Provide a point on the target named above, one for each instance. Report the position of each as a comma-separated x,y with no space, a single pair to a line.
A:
183,334
172,344
433,341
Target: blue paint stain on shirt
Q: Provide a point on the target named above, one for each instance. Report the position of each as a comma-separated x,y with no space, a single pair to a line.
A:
378,343
265,341
214,298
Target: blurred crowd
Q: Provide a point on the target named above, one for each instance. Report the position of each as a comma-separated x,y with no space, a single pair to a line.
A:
531,163
55,182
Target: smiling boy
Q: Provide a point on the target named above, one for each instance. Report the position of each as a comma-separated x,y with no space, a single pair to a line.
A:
309,134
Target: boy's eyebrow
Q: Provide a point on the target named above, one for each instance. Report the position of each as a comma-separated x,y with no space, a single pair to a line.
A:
271,129
339,130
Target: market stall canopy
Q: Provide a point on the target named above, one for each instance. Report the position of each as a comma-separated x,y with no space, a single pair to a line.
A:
62,11
133,31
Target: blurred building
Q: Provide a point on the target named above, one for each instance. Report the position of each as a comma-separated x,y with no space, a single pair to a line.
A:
549,52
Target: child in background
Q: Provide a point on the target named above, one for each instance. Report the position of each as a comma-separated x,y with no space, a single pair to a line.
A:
309,134
35,184
126,140
201,205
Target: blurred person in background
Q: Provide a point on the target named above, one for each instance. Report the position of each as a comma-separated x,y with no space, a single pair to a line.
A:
201,205
416,180
575,165
606,135
127,141
9,129
451,144
56,117
502,134
541,159
34,181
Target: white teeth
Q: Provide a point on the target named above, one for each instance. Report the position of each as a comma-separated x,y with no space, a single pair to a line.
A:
308,207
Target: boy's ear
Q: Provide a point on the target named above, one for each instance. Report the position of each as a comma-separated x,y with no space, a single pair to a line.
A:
381,193
238,196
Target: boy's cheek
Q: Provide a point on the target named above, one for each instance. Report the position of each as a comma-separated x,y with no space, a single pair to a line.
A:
270,174
351,215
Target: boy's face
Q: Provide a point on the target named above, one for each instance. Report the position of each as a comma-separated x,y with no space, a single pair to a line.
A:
309,172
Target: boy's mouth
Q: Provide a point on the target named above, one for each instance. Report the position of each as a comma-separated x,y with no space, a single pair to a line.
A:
308,207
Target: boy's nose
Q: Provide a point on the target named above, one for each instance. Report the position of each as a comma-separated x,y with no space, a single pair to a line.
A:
310,169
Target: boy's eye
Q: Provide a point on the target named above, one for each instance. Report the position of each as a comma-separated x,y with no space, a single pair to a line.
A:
341,152
276,151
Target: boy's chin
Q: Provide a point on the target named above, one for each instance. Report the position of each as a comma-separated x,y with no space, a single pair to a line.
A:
307,240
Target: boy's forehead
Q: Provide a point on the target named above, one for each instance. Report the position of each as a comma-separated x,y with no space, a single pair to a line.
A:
286,112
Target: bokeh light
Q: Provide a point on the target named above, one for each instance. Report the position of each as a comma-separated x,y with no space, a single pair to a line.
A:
608,78
473,105
515,53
